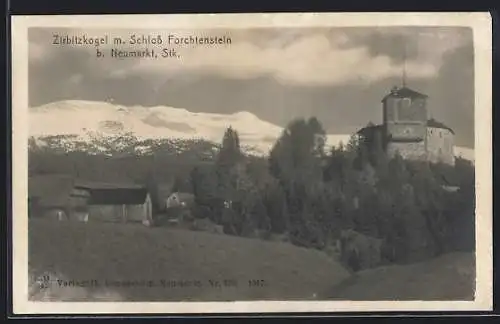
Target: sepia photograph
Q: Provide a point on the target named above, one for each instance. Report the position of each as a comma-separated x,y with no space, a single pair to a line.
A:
256,162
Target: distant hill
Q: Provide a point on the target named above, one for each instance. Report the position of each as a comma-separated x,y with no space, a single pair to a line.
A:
448,277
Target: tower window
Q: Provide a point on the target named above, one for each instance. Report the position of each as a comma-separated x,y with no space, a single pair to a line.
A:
406,102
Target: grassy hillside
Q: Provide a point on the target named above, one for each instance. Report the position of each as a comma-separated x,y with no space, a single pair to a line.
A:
449,277
120,253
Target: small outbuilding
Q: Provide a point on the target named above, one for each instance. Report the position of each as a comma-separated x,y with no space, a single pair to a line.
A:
119,203
180,199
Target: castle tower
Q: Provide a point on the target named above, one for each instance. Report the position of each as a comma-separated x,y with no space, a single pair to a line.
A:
405,122
405,112
404,115
407,130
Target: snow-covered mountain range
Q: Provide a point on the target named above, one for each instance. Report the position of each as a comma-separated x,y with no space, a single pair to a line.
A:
101,126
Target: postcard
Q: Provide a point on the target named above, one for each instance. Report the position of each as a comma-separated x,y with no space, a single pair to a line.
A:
251,163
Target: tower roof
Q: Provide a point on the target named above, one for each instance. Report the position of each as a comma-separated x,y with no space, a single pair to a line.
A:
404,92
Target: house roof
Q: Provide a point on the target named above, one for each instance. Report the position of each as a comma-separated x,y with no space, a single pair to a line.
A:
183,196
94,185
404,92
113,193
118,196
54,190
437,124
368,130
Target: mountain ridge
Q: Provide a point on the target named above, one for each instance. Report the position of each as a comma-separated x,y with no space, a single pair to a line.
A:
101,122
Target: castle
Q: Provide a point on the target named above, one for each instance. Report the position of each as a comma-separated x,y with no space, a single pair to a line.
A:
407,129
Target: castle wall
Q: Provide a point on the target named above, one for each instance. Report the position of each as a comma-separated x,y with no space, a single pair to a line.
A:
440,145
409,151
414,132
390,109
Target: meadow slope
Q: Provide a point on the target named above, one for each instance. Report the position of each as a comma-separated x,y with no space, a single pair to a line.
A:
120,252
124,253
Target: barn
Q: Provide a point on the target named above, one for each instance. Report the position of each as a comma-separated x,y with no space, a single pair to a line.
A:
111,202
63,197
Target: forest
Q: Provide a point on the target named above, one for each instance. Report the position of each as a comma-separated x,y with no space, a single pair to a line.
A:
302,189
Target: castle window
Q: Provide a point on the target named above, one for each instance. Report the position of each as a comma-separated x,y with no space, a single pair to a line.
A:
406,102
440,135
404,110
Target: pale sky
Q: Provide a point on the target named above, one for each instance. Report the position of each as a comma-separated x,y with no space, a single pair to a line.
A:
337,74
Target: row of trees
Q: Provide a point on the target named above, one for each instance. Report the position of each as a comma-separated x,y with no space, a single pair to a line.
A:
312,195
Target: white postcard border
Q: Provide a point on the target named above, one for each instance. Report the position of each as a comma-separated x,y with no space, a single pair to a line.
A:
482,33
